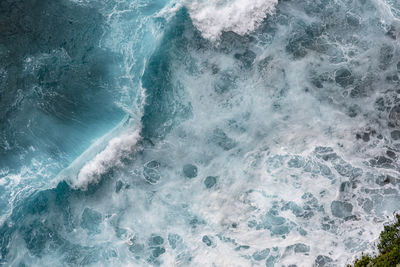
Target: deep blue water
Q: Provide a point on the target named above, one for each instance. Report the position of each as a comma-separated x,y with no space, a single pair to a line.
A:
197,133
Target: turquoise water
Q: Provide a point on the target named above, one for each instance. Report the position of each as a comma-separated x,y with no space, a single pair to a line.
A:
197,133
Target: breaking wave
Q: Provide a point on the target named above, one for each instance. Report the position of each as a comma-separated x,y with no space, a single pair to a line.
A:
197,133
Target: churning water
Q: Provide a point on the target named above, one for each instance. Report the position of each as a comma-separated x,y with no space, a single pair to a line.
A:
197,133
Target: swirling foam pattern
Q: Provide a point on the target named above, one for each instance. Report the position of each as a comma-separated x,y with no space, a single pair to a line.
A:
197,133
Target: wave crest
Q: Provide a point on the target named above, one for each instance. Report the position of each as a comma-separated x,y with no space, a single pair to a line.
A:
239,16
117,149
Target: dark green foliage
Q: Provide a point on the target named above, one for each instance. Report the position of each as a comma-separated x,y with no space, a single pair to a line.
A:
388,247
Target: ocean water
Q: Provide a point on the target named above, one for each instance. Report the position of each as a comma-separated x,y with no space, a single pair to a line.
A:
197,133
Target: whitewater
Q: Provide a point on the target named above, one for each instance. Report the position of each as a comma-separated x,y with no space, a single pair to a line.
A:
197,133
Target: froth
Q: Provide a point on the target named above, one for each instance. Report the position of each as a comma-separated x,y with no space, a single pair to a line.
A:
239,16
117,149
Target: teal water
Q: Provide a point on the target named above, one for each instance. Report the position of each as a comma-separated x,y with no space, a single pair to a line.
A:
197,133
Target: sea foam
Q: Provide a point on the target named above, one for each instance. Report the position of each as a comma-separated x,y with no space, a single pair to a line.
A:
254,148
239,16
111,156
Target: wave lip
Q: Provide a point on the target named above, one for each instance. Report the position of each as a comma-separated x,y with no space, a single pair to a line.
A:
117,149
106,153
239,16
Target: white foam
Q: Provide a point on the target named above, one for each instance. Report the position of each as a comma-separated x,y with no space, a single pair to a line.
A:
117,149
105,153
239,16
